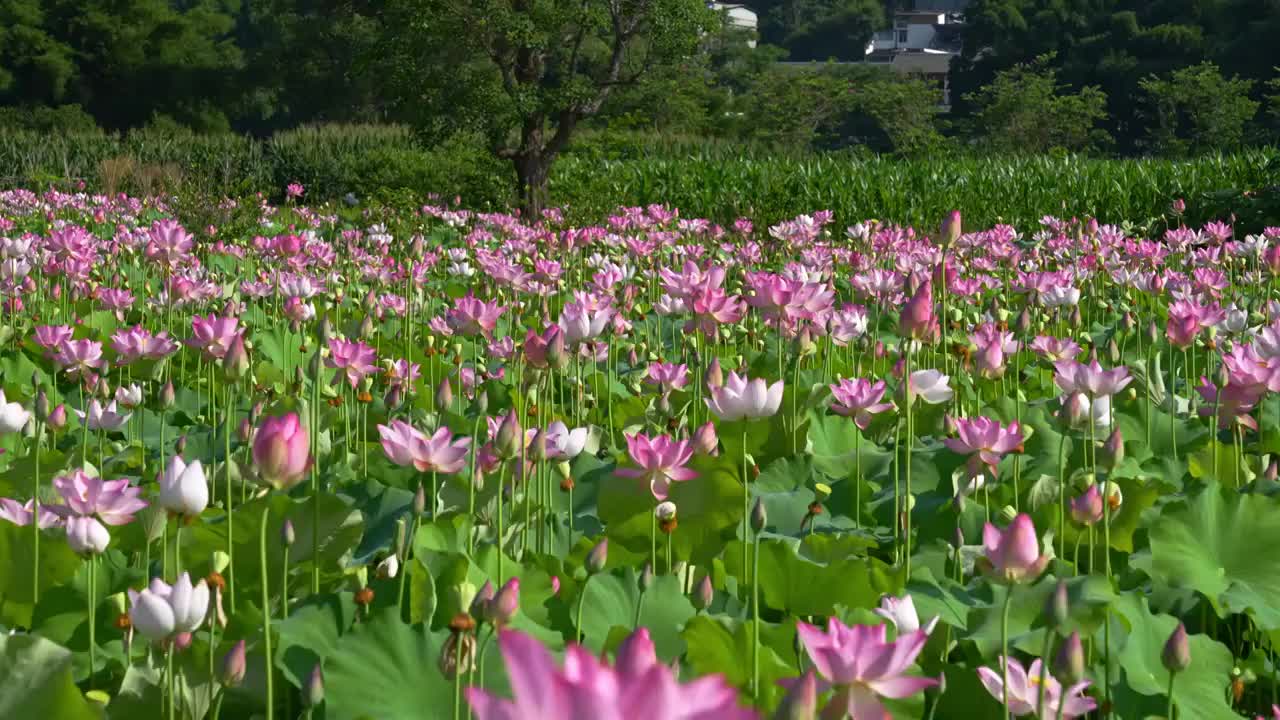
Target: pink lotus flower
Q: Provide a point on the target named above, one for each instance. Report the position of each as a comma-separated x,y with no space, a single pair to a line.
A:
112,501
740,398
859,399
471,316
584,319
985,439
638,687
662,461
213,335
563,443
282,451
1013,556
51,337
1086,509
407,446
667,376
168,243
136,343
930,386
20,514
1231,404
863,666
916,320
1055,349
352,358
1090,380
100,418
545,350
403,374
1024,690
78,357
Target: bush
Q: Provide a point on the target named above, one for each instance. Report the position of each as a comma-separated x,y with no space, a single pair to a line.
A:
1196,109
43,119
1025,110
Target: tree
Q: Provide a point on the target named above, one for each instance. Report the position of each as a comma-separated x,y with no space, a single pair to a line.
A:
840,32
1025,110
530,71
1196,109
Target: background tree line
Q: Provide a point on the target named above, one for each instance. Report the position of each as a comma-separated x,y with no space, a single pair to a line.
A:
528,80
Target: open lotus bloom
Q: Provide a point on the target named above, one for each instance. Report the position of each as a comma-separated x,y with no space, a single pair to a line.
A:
636,687
1025,687
862,666
740,398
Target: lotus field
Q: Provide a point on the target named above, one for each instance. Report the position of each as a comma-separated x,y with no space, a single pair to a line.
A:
329,462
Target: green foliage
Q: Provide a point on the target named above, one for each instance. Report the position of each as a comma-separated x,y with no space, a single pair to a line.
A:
1026,110
38,682
1196,109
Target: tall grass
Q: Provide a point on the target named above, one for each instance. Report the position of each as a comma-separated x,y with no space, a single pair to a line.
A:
718,180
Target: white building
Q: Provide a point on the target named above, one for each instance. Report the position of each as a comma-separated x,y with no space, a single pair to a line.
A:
918,31
739,16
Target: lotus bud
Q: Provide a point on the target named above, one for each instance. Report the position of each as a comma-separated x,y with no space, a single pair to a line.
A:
1075,320
235,364
704,593
419,501
801,702
315,366
1127,323
287,534
598,556
394,397
42,406
1113,351
481,601
714,376
180,447
1068,665
1153,333
1112,451
1057,609
244,431
324,329
233,664
646,577
1221,377
255,412
1176,655
167,396
482,402
509,439
705,440
1023,324
444,395
759,517
366,327
506,602
1272,471
313,693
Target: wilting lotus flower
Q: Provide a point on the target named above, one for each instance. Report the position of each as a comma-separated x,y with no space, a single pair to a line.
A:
862,666
859,399
86,535
740,398
1013,556
12,415
902,613
662,461
112,501
162,611
638,687
100,418
1024,691
183,488
282,451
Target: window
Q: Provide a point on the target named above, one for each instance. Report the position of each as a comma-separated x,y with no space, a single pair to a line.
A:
902,36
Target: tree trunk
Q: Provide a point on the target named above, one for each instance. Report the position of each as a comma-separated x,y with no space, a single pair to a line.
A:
532,172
